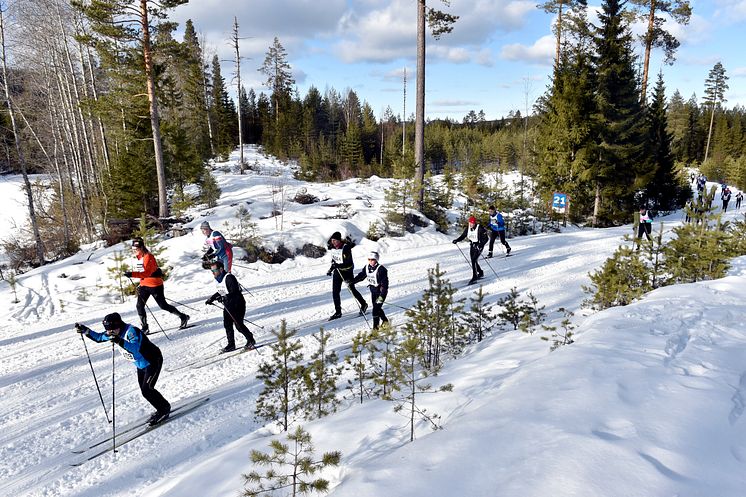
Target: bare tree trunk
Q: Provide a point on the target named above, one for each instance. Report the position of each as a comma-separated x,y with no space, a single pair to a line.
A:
404,117
19,150
597,205
559,33
207,99
238,92
709,133
648,48
419,123
154,117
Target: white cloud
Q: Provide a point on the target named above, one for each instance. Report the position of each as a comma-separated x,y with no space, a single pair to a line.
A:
541,52
731,11
387,32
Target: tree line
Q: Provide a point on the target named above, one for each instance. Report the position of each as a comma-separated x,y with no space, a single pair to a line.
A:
123,116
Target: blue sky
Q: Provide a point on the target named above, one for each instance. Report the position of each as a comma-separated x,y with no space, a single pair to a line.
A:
497,58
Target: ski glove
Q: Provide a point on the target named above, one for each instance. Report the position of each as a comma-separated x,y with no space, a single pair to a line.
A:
455,242
116,339
157,273
379,300
128,274
81,328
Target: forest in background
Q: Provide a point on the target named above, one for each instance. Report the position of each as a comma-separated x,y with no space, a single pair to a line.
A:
124,118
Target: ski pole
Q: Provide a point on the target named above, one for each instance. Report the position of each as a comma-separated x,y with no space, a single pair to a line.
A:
181,304
398,306
462,253
137,289
95,380
489,265
234,319
243,288
244,267
113,402
360,307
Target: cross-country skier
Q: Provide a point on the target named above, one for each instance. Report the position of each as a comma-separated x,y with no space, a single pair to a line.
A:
497,227
378,282
645,227
151,283
477,236
342,269
739,198
217,246
135,347
725,197
234,306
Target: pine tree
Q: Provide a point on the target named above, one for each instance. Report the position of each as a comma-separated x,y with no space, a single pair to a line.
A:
715,87
116,272
361,362
480,320
623,278
209,190
433,319
282,376
321,375
560,338
291,467
410,382
512,309
532,315
387,340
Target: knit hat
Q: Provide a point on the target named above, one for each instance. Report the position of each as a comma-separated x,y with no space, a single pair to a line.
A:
472,219
373,255
112,321
138,242
205,226
336,236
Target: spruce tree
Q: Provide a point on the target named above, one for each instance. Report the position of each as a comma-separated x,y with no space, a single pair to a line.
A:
386,339
618,169
282,376
291,467
223,112
321,373
667,191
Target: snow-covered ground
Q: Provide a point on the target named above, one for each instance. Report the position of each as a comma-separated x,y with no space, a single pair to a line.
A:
648,401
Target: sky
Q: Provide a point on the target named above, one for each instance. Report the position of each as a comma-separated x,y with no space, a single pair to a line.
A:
498,57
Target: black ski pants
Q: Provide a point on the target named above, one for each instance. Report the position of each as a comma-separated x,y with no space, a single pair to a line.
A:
725,205
738,204
147,378
378,314
494,235
234,316
337,280
144,293
644,229
474,252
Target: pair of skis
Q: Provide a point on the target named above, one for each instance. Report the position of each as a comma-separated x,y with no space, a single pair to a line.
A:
132,432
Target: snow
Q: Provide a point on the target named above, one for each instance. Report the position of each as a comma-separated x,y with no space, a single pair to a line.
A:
648,401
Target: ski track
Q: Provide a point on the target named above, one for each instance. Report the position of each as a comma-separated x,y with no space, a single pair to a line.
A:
545,264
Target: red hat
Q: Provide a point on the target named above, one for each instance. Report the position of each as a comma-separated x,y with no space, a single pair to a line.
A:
472,219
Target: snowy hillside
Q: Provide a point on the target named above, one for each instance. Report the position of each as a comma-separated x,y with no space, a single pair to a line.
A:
648,401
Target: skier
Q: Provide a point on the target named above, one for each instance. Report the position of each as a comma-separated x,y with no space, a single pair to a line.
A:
136,347
739,197
688,210
234,306
645,227
217,246
378,282
342,269
151,283
477,235
701,183
726,198
497,227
